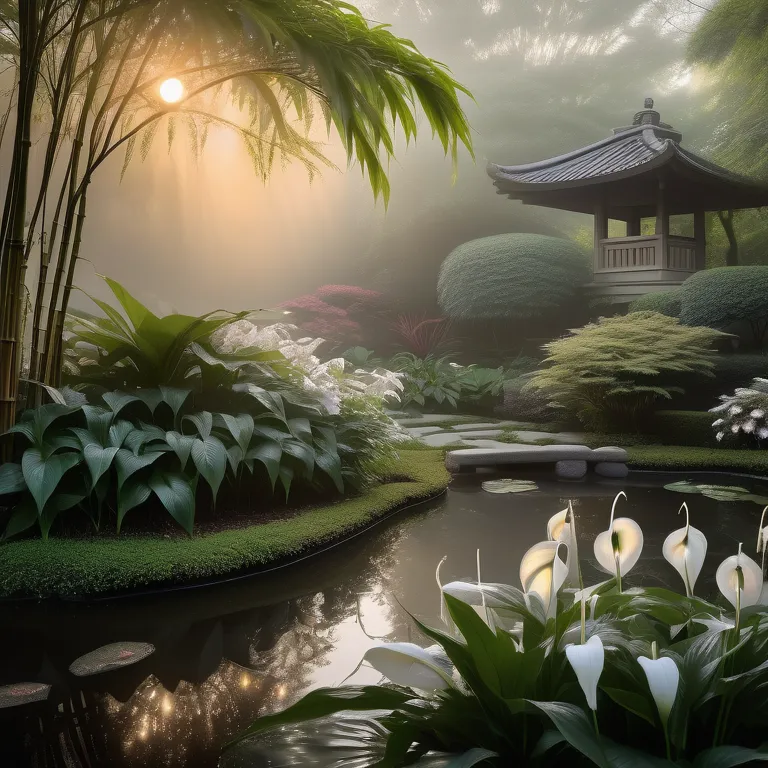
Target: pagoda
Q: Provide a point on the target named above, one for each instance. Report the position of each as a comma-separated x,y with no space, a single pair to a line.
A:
639,172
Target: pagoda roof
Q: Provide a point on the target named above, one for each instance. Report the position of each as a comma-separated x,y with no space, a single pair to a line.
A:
624,171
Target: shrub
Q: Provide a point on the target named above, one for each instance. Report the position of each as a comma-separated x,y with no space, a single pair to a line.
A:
684,428
744,413
510,276
429,383
721,297
665,302
609,374
523,403
421,335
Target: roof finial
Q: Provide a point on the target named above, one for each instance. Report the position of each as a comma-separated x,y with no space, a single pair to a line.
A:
648,103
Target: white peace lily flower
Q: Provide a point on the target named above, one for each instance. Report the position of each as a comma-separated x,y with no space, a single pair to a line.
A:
685,550
749,426
542,573
735,428
714,624
663,680
618,549
587,661
562,527
735,410
427,669
740,579
720,436
763,433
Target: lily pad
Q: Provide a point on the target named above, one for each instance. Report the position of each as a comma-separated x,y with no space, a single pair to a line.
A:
23,693
717,492
509,486
109,657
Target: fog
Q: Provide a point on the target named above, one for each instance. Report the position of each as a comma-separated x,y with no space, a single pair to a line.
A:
550,76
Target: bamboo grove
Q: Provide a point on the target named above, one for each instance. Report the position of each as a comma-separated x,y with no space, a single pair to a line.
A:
88,72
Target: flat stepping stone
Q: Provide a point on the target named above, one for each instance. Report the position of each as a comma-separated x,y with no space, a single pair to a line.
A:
109,657
431,419
480,433
441,439
19,694
509,486
479,425
574,438
422,431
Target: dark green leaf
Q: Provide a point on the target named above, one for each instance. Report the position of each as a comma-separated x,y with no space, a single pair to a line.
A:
23,517
181,446
210,457
727,757
268,454
576,728
99,460
118,400
174,398
132,494
471,757
176,496
241,428
331,465
11,478
128,463
42,475
203,423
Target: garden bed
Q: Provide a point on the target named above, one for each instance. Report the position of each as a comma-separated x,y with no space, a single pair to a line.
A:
677,457
82,567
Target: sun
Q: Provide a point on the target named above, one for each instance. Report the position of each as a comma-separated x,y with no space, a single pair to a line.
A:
171,90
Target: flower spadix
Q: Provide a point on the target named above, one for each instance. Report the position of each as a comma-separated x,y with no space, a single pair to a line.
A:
542,573
685,550
663,680
740,579
587,661
562,527
762,538
427,669
618,549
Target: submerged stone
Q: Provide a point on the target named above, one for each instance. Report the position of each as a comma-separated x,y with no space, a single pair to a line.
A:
109,657
19,694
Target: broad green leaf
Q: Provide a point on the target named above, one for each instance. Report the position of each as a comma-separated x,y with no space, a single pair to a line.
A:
328,701
136,312
119,431
268,454
241,428
633,702
98,460
139,437
285,473
331,465
576,728
235,456
11,478
59,502
727,757
119,400
42,475
36,421
210,458
174,398
203,423
304,453
301,429
176,496
471,757
128,463
23,517
150,397
181,445
132,494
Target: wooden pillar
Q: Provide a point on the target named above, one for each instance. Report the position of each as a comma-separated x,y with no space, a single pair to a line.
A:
601,231
700,234
662,226
633,226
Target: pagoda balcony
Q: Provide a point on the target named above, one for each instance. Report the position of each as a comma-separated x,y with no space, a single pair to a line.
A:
645,258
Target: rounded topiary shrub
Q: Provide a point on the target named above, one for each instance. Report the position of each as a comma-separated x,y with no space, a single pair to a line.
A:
511,276
664,302
722,297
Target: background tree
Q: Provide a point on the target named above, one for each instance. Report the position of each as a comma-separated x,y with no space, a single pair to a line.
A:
92,68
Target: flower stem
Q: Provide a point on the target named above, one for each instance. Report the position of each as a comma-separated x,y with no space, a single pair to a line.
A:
594,720
666,741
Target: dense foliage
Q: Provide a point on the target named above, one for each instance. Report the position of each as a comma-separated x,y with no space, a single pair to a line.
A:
666,302
190,399
721,297
510,276
744,414
557,675
609,374
523,403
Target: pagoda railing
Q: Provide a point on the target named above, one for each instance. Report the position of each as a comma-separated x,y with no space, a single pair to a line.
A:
646,252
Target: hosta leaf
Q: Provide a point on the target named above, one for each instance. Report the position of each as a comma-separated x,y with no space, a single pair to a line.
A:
118,400
132,494
98,460
176,496
203,422
23,517
99,421
181,445
150,397
57,442
11,478
331,465
35,422
471,757
241,428
210,458
268,454
42,475
728,757
139,437
303,452
302,429
174,398
285,474
119,431
128,463
59,502
235,456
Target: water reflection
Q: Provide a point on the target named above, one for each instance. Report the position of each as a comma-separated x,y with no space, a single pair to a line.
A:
228,653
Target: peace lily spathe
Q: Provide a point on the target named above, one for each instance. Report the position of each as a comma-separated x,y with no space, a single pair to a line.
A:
618,549
762,538
685,550
562,527
740,579
587,661
663,680
542,573
427,669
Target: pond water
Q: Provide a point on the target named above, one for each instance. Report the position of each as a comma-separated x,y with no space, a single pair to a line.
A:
225,653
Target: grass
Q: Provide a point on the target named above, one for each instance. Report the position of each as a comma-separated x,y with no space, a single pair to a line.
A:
676,457
67,567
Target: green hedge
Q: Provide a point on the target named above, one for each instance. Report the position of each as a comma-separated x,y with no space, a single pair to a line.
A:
665,302
511,276
91,566
693,428
675,457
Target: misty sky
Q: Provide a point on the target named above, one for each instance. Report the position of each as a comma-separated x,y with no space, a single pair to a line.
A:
547,77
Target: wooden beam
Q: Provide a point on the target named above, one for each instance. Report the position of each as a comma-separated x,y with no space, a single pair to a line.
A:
700,234
633,225
662,210
601,230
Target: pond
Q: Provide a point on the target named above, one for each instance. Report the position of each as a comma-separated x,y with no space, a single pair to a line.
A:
225,653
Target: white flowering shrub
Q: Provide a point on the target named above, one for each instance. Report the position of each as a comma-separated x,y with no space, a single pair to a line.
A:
743,414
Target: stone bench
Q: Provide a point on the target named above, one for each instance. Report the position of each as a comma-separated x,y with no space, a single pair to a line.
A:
569,461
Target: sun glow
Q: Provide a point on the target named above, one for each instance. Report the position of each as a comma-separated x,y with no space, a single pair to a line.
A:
171,90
